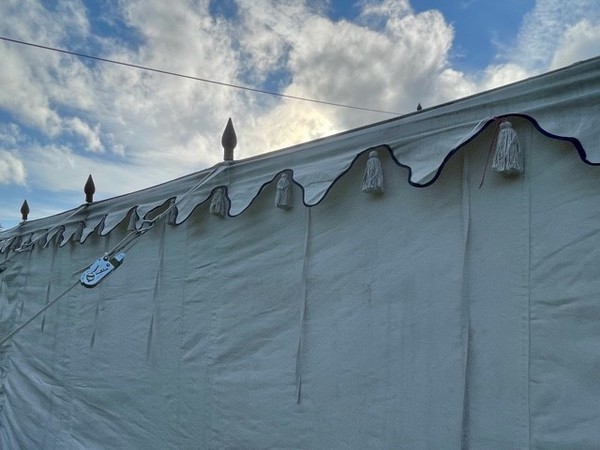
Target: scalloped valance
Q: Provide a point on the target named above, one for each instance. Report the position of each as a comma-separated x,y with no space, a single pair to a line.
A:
562,104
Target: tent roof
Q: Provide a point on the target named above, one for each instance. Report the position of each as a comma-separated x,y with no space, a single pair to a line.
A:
561,104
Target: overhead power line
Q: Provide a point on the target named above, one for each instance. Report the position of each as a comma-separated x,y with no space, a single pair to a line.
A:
190,77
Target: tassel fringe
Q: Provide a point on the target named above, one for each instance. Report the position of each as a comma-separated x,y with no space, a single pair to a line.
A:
372,182
133,220
218,204
172,214
283,198
78,233
508,158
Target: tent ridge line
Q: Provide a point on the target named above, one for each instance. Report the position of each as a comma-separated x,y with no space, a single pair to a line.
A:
71,225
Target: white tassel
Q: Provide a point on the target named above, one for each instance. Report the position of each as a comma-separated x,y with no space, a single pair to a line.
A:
24,244
16,244
133,220
218,204
78,233
42,240
172,214
508,159
283,198
373,178
58,237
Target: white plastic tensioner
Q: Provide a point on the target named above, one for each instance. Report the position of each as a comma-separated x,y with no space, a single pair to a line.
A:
100,269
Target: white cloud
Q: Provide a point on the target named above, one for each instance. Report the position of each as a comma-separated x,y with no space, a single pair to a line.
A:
287,124
159,127
391,59
24,96
12,169
83,129
380,13
140,128
70,169
501,74
554,34
34,76
580,41
10,135
545,27
453,84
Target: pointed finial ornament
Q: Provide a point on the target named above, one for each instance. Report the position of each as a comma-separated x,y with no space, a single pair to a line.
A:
419,107
24,210
228,141
89,190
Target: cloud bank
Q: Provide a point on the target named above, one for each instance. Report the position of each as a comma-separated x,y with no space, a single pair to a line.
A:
65,117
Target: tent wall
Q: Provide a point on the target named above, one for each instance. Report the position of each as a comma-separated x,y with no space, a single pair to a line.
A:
442,317
194,339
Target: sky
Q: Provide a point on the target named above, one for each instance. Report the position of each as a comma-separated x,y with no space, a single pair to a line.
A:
64,117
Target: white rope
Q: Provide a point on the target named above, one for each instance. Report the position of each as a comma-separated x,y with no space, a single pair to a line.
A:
303,295
37,314
127,240
148,224
26,245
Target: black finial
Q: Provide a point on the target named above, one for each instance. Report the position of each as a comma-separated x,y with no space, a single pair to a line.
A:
89,189
419,107
228,141
24,210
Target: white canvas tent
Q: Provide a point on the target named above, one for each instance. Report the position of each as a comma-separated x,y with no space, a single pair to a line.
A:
439,314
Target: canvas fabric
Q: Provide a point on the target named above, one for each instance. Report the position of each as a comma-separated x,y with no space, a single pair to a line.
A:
445,313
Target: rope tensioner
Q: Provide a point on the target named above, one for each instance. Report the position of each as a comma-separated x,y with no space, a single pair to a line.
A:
100,269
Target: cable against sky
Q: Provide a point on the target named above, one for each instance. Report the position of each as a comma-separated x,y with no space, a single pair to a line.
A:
190,77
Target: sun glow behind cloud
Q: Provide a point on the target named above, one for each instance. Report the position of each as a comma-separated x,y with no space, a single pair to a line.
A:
63,117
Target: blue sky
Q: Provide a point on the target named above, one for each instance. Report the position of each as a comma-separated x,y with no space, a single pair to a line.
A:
63,117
